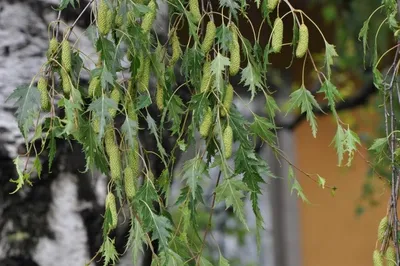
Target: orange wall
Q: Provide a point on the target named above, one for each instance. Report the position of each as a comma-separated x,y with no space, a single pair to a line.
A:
331,233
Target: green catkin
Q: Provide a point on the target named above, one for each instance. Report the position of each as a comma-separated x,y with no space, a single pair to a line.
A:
390,256
109,139
115,96
195,10
302,46
176,49
119,21
94,87
149,17
277,35
206,79
66,55
115,162
96,125
110,19
234,49
377,258
228,141
129,182
383,225
112,207
271,4
66,84
144,78
160,96
53,45
228,98
209,37
44,95
102,18
206,124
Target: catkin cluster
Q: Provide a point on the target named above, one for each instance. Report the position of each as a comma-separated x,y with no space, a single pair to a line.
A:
105,18
302,46
44,95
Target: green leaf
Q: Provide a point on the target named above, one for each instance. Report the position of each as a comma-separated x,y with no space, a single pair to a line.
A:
379,145
232,192
345,142
339,143
71,109
161,230
192,66
170,258
193,171
198,104
100,108
330,52
129,130
251,77
223,261
364,35
22,176
109,252
38,166
232,5
295,185
65,3
271,106
305,100
204,262
264,129
143,101
136,239
321,181
224,38
175,110
351,142
28,106
217,69
331,94
153,129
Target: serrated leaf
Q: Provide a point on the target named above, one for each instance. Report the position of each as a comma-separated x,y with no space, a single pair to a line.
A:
232,192
331,94
251,77
161,230
22,176
28,106
175,110
330,53
129,131
232,5
379,145
305,100
364,35
109,252
65,3
100,108
153,129
193,170
345,142
321,181
38,166
339,143
264,129
223,261
217,69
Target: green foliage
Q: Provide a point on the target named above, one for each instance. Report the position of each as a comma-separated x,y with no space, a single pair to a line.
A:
130,59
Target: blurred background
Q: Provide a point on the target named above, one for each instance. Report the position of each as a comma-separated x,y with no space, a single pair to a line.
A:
58,220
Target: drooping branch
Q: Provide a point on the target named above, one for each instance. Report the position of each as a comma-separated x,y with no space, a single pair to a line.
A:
359,99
